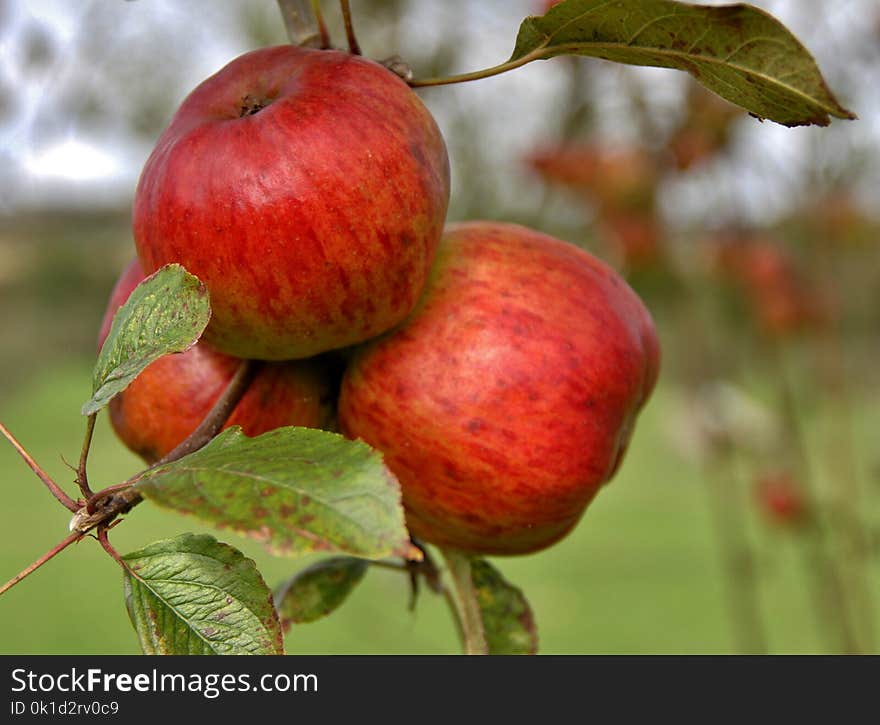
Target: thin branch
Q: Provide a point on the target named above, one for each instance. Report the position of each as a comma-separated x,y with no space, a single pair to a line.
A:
349,28
108,547
299,21
82,479
104,506
57,549
53,487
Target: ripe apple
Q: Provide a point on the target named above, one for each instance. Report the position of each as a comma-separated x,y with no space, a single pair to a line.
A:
169,399
509,396
307,189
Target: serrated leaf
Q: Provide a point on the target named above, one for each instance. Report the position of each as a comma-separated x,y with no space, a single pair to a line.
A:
738,51
167,312
507,617
318,590
295,489
193,595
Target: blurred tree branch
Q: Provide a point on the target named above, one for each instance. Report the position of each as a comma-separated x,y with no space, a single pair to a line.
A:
300,22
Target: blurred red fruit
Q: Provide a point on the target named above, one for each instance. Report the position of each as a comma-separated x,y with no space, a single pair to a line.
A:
635,239
782,301
616,178
781,499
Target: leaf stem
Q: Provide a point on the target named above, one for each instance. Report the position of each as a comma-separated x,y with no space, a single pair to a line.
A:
82,479
57,549
464,604
349,28
53,487
477,74
299,20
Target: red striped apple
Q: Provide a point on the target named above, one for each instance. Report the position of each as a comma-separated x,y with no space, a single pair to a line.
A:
169,399
509,396
307,189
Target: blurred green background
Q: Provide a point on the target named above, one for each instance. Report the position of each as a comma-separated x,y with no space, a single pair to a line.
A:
769,390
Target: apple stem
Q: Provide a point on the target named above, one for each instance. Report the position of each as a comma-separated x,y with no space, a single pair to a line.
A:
53,487
299,20
216,418
57,549
322,26
464,604
349,28
82,479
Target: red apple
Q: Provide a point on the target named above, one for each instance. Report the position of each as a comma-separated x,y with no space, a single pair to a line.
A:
508,398
307,189
168,400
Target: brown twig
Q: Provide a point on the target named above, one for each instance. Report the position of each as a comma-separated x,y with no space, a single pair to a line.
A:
108,547
349,28
57,549
53,487
104,506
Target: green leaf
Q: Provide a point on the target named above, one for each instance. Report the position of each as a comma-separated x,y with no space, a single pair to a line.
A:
507,617
318,590
193,595
738,51
165,313
295,489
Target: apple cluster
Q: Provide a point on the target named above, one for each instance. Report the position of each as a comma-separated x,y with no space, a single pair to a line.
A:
498,370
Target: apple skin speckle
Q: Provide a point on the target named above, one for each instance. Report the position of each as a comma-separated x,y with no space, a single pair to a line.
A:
507,399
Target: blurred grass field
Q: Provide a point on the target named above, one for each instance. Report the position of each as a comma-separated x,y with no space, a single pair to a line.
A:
640,574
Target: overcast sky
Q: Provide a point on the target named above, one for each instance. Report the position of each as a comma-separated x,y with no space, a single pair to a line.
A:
50,50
